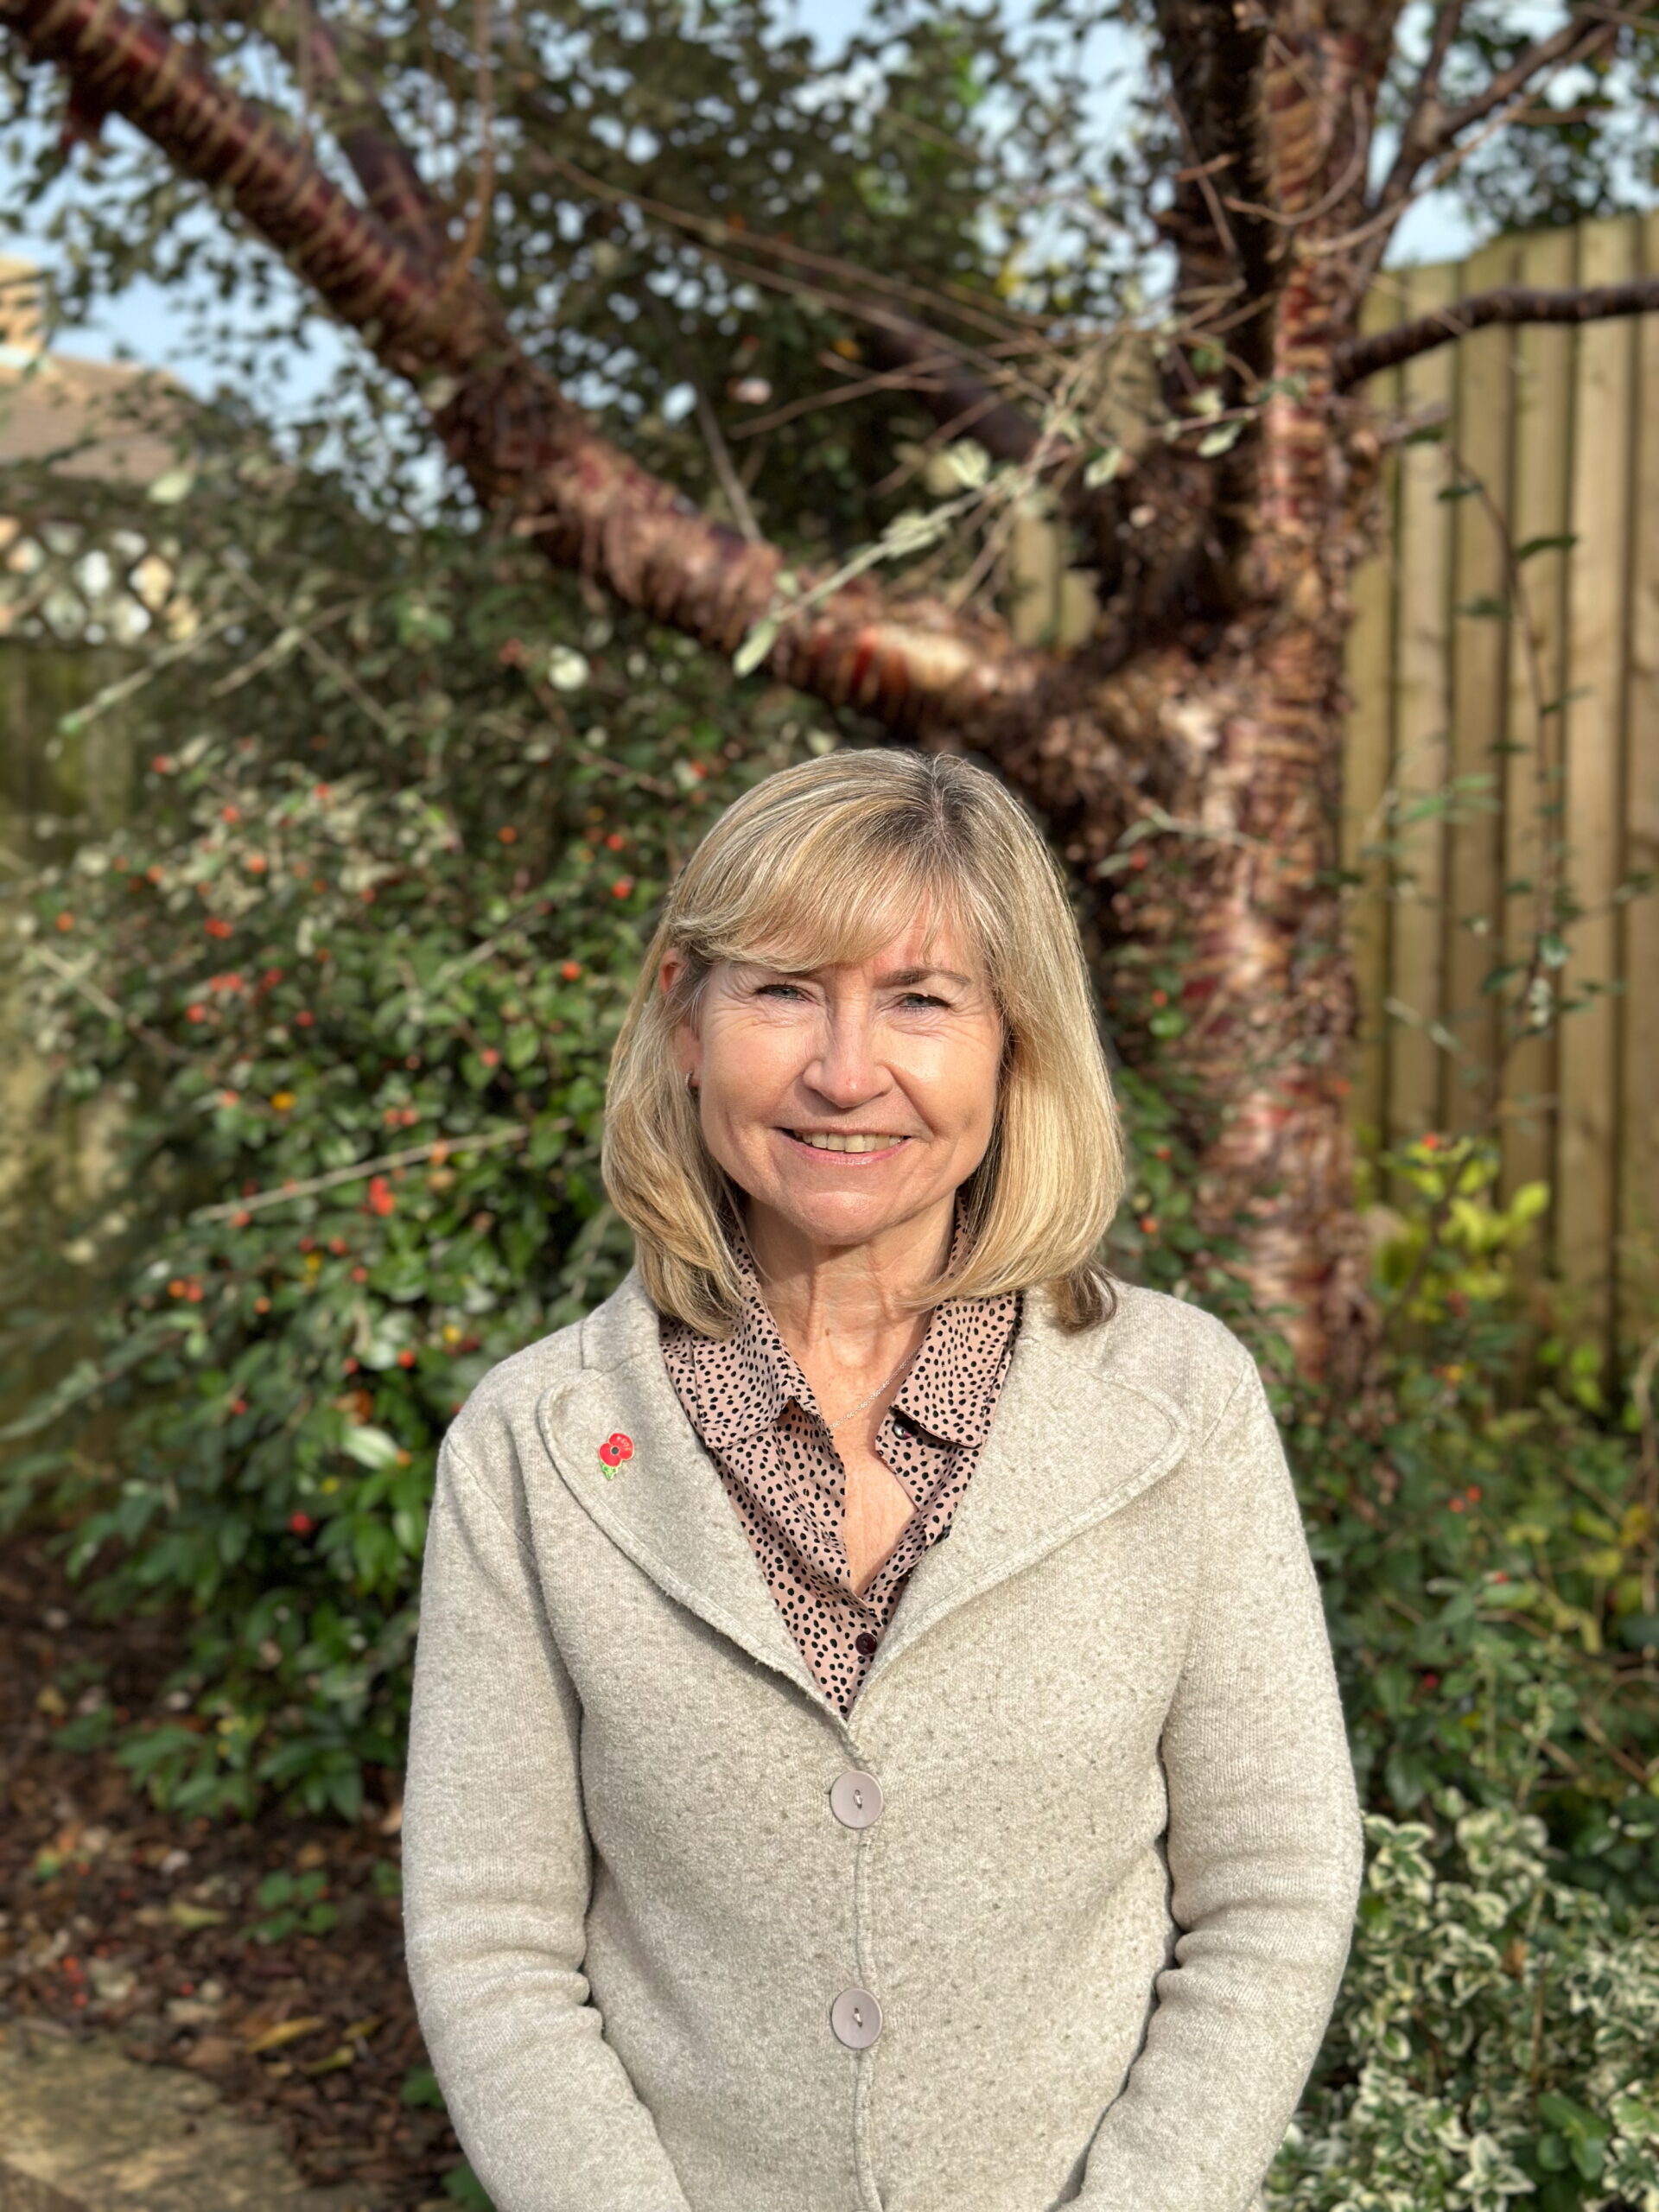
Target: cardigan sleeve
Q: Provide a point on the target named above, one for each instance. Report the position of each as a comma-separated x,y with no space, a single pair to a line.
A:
1265,1850
497,1871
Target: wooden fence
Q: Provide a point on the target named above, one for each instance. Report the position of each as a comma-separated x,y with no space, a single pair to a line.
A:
1528,690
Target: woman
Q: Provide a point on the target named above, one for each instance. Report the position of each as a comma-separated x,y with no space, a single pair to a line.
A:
764,1851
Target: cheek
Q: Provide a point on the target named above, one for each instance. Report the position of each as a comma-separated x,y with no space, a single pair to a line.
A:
746,1066
960,1082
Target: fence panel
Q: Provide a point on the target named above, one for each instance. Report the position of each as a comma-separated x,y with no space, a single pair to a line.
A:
1528,695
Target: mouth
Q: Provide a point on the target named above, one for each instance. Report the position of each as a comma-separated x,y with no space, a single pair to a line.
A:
841,1144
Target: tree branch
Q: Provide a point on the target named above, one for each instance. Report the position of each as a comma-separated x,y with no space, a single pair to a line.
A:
1223,217
533,458
1432,130
1573,43
1424,116
1511,303
392,185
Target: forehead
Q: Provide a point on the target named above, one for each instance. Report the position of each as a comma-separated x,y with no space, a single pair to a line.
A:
930,942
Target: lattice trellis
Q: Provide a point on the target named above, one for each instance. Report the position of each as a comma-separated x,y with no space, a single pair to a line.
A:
64,582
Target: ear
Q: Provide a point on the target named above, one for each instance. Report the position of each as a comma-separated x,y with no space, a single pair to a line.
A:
687,1045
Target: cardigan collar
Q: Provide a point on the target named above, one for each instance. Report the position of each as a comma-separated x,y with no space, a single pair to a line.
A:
1070,1442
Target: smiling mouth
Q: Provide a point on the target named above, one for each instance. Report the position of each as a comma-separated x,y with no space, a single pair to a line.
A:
826,1140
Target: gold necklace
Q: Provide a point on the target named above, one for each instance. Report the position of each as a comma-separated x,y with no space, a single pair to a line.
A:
833,1425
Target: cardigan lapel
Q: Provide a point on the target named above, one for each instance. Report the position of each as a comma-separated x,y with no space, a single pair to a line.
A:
1070,1442
665,1506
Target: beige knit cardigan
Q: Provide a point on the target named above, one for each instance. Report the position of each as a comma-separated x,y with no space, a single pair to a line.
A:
1108,1902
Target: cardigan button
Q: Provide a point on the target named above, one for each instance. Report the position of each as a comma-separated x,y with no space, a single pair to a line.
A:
856,1799
856,2018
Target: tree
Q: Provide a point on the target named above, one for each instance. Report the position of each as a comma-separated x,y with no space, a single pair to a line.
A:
503,207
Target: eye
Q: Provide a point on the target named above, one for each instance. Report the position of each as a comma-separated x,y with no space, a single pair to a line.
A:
922,998
762,990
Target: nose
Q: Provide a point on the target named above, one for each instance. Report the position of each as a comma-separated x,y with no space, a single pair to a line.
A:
844,1069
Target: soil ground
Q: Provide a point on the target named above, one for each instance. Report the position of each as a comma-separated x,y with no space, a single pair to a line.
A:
117,1917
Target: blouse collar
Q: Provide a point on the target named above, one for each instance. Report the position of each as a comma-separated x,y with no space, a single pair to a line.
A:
731,1407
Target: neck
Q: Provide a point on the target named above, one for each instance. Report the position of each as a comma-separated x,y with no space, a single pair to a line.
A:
843,1304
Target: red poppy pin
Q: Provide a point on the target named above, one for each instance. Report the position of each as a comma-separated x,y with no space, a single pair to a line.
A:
614,1450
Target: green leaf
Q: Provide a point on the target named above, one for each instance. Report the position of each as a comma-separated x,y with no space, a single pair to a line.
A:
967,462
1104,467
371,1446
1561,542
419,2089
754,648
567,670
1221,439
172,485
464,2185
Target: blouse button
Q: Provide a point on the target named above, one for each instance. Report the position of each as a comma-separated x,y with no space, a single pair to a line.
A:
856,1799
864,1641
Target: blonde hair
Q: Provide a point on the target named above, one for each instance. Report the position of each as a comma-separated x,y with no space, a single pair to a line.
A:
825,863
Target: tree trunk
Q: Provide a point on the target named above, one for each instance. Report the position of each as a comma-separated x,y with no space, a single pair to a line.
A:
1232,922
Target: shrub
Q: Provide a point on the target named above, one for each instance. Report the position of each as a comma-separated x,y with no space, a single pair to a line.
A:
352,977
1493,2038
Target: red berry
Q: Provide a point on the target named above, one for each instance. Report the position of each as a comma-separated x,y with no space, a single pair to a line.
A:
490,1057
405,1358
349,1364
621,887
381,1200
570,970
300,1524
304,1019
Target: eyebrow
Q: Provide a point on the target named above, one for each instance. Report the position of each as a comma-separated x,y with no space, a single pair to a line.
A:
894,975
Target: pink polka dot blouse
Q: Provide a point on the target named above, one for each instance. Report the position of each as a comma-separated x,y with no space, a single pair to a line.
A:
754,1412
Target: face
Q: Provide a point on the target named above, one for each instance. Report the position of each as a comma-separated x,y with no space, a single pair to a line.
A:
894,1059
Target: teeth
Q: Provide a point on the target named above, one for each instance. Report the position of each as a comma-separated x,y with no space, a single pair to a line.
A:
827,1144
